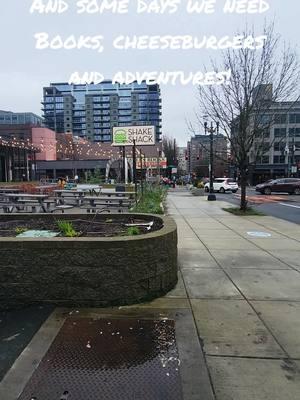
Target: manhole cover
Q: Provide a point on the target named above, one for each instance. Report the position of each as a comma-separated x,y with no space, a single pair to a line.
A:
113,359
259,234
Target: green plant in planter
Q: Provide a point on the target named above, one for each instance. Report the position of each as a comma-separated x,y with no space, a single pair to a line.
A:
200,185
150,202
67,229
133,231
19,230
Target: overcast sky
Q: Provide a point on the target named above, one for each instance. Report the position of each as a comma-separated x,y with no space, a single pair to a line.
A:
24,71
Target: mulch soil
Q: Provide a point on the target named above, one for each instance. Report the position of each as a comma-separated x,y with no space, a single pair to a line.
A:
92,227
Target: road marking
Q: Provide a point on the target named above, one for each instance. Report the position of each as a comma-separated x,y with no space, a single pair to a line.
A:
289,205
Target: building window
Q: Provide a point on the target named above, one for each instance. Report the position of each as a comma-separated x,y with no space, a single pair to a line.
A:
280,119
280,132
263,160
261,119
279,146
279,159
294,132
294,118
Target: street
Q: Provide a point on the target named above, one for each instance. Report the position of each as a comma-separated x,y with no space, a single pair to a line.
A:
280,205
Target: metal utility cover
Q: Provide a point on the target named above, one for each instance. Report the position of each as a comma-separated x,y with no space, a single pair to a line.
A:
114,359
38,234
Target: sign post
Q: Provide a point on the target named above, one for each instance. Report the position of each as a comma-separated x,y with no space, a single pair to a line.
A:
141,162
134,169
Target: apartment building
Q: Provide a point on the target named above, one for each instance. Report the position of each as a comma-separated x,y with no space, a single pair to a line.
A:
91,111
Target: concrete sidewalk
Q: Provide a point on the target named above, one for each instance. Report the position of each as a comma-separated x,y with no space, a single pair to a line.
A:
236,307
244,294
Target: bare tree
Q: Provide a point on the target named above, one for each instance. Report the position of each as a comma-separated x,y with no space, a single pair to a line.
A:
170,149
248,106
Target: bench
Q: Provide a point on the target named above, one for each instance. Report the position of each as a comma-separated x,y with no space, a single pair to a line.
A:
19,206
33,204
62,208
33,207
8,208
48,204
61,199
109,204
104,208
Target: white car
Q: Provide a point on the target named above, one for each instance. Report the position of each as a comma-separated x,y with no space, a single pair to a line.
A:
223,185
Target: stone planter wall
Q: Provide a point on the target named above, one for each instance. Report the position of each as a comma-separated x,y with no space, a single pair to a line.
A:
88,271
198,192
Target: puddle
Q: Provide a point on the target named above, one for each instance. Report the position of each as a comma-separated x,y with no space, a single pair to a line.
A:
111,358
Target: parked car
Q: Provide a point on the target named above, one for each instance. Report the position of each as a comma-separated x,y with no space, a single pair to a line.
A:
223,185
287,185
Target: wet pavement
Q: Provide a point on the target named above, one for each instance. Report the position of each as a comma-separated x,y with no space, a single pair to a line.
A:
17,327
234,314
152,357
119,358
244,293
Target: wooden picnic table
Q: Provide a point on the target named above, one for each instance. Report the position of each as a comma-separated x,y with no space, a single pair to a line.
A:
61,194
10,190
21,198
91,191
43,188
106,200
87,187
110,194
60,191
105,203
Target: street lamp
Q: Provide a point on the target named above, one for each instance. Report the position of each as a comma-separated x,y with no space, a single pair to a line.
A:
289,152
211,131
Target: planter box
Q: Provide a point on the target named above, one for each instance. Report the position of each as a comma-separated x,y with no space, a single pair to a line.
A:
198,192
87,271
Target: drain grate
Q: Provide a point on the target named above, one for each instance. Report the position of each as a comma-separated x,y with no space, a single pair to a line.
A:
114,359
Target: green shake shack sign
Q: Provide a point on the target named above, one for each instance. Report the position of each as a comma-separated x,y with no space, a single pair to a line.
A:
125,135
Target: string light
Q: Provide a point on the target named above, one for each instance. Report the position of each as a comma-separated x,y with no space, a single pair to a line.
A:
67,146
